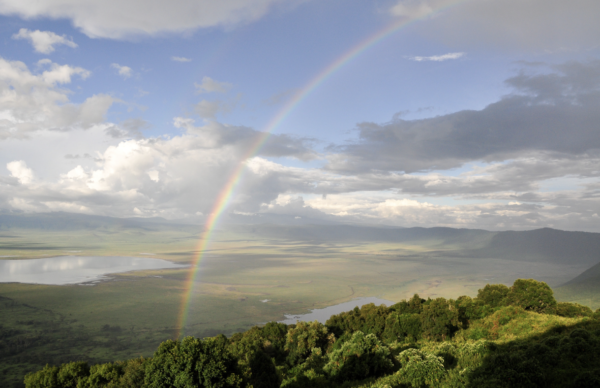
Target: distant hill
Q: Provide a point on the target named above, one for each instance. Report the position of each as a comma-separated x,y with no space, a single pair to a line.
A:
583,289
318,233
75,221
540,245
546,245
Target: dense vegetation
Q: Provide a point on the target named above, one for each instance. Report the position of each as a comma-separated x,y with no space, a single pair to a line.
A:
515,336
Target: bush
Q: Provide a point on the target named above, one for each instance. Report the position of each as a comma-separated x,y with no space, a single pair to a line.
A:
420,368
531,295
360,357
573,310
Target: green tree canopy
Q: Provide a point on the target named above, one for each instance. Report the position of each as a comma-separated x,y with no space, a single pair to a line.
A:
531,295
439,319
493,295
360,357
304,337
192,362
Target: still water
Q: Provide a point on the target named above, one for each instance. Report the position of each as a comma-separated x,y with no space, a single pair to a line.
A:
75,269
323,315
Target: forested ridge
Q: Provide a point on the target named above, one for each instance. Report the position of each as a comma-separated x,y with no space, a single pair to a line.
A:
515,336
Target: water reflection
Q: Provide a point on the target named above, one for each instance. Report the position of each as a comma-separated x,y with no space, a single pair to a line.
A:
322,315
74,269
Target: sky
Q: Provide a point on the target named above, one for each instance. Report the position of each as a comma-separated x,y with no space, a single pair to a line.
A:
469,114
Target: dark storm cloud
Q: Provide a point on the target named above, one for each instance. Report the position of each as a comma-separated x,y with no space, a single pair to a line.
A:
555,112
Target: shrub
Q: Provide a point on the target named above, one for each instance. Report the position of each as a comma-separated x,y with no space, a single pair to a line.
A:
360,357
573,310
420,368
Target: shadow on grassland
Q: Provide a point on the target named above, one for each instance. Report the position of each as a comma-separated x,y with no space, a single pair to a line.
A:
564,356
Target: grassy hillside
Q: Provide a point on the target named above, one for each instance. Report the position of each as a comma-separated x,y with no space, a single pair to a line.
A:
583,289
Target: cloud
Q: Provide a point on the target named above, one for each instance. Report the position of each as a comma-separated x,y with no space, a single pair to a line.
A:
280,97
507,24
43,41
181,59
209,85
19,170
416,9
33,102
438,58
61,74
171,177
209,110
118,19
552,111
124,71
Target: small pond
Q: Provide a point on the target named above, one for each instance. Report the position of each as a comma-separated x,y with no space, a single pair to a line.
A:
323,315
75,269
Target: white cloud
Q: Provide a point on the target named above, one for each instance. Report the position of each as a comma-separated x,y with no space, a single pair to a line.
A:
33,102
124,71
61,74
181,59
44,41
124,18
210,85
19,170
438,58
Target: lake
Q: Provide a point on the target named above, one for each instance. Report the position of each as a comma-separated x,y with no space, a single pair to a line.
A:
75,269
322,315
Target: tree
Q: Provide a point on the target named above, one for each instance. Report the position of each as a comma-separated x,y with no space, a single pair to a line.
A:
304,337
368,319
439,319
420,368
70,373
531,295
192,362
413,306
493,295
360,357
45,378
401,326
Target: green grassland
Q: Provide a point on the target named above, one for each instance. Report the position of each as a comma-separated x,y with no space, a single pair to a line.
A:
131,313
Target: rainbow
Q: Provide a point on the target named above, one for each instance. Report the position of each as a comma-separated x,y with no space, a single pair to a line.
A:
227,192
